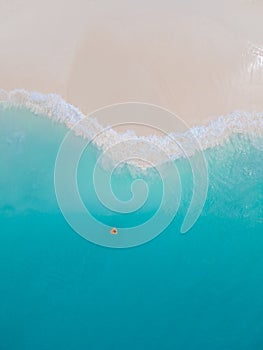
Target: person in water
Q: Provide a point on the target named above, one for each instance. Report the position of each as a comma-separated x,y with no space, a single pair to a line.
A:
114,231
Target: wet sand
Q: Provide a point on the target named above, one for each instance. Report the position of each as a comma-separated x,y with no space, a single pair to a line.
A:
199,60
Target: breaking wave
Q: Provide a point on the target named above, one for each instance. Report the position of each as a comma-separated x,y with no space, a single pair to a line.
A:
215,133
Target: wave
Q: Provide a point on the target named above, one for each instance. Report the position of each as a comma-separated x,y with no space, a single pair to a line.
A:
223,181
174,144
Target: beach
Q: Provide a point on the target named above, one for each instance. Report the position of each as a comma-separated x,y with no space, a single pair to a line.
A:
197,60
131,142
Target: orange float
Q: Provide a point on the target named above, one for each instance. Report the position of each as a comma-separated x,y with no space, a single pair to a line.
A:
114,231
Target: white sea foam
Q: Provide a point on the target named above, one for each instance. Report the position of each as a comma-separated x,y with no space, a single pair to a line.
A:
175,145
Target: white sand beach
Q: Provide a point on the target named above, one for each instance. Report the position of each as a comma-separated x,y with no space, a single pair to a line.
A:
198,59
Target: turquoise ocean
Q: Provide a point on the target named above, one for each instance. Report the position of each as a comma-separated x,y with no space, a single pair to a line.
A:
202,289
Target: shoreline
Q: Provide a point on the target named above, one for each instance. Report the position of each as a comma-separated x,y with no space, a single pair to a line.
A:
198,61
174,143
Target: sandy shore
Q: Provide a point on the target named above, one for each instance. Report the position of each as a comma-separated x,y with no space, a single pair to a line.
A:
198,59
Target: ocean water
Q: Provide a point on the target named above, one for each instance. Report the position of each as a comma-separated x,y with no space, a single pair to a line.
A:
200,289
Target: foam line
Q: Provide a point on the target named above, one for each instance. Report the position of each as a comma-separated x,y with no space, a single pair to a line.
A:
175,145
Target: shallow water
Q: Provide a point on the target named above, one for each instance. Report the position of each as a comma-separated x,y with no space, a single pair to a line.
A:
202,289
